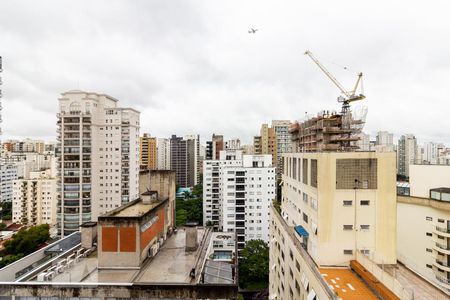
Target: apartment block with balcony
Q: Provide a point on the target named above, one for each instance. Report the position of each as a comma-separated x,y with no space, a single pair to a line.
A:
238,191
8,173
424,224
98,151
34,199
148,158
329,224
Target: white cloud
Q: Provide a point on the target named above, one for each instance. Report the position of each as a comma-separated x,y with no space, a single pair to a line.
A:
191,66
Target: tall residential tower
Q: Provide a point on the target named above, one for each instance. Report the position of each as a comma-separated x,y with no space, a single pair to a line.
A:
98,150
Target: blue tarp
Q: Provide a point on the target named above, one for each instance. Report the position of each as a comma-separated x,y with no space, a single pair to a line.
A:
301,231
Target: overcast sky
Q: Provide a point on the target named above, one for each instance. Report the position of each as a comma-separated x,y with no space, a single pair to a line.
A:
192,67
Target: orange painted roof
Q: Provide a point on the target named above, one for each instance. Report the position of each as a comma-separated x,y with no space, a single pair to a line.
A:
346,284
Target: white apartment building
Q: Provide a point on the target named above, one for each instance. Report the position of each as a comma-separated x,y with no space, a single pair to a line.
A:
364,142
35,199
28,162
8,173
163,153
284,143
423,224
238,191
337,208
406,153
384,138
98,148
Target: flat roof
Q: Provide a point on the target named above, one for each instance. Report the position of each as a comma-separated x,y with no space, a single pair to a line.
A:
346,284
172,264
134,209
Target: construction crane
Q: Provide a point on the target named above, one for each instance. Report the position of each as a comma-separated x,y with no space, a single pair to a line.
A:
348,96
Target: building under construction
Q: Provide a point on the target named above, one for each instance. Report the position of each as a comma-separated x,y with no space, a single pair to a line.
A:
328,131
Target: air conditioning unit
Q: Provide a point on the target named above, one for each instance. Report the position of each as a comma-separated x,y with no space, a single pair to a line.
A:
49,276
41,276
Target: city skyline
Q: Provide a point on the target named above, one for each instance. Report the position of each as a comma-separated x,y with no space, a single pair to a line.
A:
176,63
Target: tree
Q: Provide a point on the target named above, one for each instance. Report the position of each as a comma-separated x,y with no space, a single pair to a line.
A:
2,226
24,242
181,217
254,265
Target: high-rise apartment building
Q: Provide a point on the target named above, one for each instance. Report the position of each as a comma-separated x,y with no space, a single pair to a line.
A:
269,142
34,199
384,138
98,150
257,147
406,153
148,158
163,153
238,191
26,145
214,146
8,173
184,159
234,144
364,142
284,143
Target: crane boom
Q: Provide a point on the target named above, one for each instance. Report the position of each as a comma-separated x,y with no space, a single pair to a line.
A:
328,74
350,96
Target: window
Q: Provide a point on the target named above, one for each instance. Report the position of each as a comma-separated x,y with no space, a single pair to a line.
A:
305,218
429,218
348,202
429,250
441,220
365,227
429,234
348,227
348,252
429,266
365,202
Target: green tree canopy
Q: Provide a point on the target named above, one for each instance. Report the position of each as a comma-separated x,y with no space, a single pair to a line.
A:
254,264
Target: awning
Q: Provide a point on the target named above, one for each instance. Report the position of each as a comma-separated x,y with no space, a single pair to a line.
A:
301,231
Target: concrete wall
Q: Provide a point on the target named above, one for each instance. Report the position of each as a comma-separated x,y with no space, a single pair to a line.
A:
425,177
327,215
418,217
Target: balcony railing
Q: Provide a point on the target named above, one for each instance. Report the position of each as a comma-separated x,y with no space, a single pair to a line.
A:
442,263
443,279
442,229
444,247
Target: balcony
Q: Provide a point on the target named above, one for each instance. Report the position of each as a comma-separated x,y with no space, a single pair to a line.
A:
442,265
443,231
443,281
442,248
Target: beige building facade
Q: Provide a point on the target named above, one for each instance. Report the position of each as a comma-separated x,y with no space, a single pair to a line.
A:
423,224
34,199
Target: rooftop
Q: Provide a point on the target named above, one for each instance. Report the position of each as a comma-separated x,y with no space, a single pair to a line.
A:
172,264
134,209
346,284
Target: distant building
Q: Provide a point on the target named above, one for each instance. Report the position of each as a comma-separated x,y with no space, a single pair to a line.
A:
248,149
163,153
257,147
364,142
148,158
384,138
234,144
8,173
423,218
406,153
184,159
35,199
238,191
98,150
214,146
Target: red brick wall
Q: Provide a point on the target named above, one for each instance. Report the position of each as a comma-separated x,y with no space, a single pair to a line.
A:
154,230
109,239
127,239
